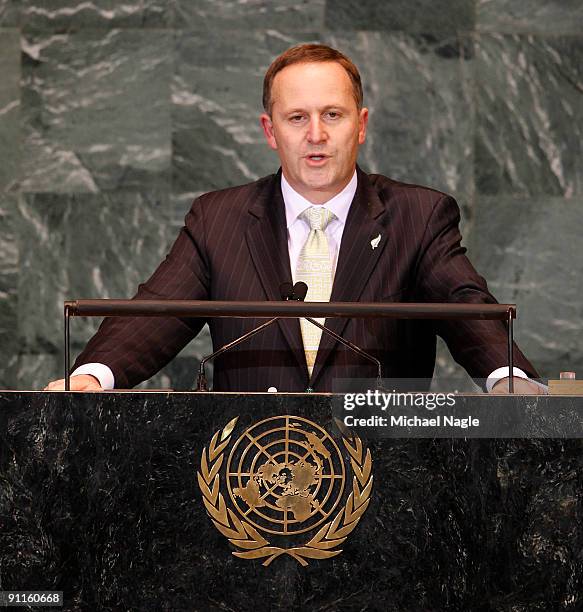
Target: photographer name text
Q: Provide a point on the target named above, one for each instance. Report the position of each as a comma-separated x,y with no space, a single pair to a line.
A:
412,421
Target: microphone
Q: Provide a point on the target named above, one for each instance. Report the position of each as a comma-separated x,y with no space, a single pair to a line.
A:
287,291
300,292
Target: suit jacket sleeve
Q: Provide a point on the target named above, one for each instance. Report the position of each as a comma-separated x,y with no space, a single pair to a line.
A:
445,274
135,348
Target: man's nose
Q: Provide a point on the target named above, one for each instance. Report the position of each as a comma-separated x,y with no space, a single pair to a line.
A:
316,131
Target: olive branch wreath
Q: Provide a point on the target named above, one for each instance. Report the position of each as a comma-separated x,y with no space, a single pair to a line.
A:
244,536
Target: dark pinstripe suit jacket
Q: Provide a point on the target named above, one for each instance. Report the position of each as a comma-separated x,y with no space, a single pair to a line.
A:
234,247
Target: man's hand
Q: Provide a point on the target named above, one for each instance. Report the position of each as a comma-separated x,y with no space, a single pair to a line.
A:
81,382
522,386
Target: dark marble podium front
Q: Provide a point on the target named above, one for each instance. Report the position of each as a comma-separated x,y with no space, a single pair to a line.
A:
99,499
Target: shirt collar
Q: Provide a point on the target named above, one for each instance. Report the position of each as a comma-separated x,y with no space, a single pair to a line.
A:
295,204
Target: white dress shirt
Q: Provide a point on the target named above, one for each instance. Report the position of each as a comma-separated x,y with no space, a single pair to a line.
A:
297,234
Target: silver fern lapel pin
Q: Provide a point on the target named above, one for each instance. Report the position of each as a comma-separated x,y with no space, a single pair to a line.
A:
374,243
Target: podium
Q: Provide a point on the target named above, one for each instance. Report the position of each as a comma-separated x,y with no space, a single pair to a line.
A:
101,498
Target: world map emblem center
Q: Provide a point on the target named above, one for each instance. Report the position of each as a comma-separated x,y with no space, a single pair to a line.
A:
285,486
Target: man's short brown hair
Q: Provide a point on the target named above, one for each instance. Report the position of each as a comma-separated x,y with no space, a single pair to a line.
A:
303,54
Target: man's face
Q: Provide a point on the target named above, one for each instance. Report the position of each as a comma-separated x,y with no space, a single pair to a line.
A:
315,127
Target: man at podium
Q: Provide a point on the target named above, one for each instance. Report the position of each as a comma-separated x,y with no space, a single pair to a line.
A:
320,219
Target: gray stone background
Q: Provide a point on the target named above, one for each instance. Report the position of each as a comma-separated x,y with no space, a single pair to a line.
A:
113,116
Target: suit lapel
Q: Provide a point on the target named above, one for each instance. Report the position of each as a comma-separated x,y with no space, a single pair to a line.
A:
267,241
367,219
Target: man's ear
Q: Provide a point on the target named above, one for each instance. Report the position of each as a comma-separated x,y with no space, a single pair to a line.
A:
267,126
362,125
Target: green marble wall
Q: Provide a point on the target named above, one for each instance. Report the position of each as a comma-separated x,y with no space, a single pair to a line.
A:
113,116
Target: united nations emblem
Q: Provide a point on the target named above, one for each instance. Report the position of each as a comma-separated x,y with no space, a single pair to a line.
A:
285,476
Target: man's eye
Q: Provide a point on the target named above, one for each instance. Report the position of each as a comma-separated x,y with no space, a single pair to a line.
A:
296,118
333,114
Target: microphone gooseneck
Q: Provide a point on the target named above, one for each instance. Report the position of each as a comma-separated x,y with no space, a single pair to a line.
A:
286,290
300,292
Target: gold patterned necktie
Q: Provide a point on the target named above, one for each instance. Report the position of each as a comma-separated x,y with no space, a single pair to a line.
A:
315,269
